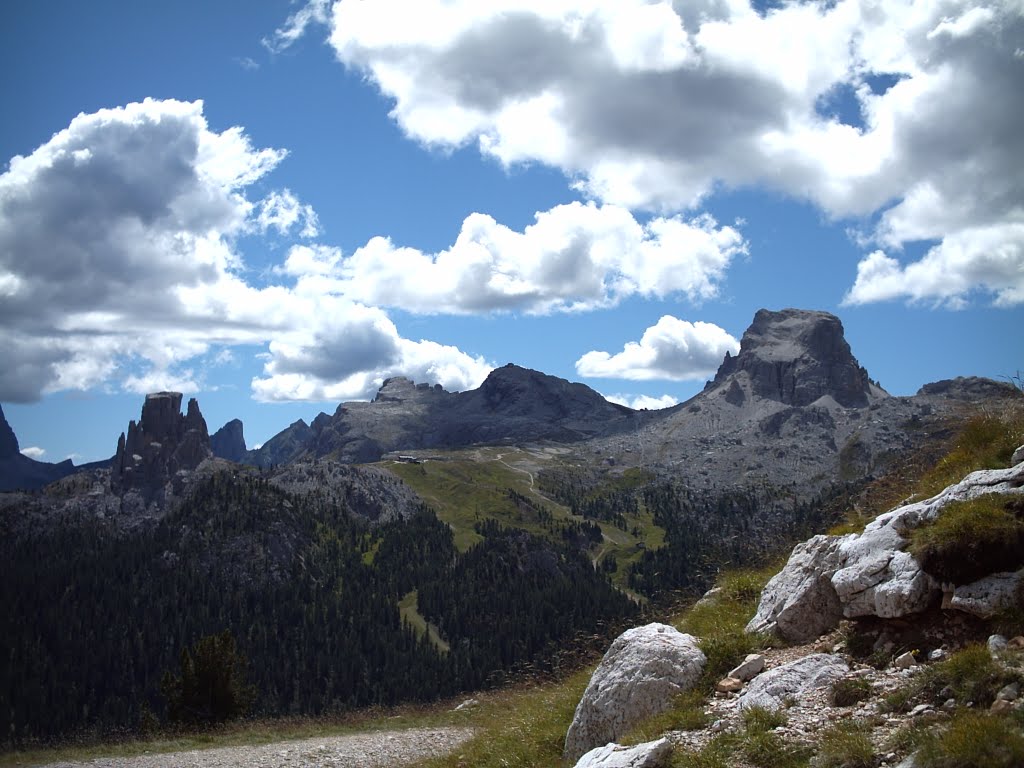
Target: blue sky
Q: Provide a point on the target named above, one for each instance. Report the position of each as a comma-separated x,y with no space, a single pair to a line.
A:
274,206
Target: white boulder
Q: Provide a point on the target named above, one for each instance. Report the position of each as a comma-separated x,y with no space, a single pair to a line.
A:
866,574
647,755
639,676
773,688
987,596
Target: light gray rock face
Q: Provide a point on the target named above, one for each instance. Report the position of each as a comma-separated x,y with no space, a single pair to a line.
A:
986,597
1018,456
650,754
870,574
799,602
639,676
771,689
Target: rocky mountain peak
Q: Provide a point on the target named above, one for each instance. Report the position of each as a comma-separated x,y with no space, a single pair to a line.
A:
160,445
796,356
228,442
399,389
8,440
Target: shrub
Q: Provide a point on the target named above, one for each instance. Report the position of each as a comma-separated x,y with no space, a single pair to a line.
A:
849,691
211,687
845,746
762,719
971,539
974,740
985,442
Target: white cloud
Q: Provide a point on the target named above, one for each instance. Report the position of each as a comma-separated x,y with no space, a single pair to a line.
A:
573,257
313,12
34,452
653,105
118,265
671,349
283,211
641,402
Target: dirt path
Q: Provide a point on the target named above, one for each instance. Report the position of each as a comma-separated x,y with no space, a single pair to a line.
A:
384,749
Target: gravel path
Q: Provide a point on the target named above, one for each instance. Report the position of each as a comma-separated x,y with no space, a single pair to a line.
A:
386,749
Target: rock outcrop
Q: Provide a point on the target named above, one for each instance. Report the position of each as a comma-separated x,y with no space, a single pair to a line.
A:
870,574
228,442
795,357
639,676
160,445
651,754
774,688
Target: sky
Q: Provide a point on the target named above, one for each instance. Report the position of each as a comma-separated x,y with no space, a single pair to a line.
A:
274,206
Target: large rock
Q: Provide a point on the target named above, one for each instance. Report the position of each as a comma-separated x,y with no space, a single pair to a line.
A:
643,670
799,602
988,596
867,574
772,689
650,754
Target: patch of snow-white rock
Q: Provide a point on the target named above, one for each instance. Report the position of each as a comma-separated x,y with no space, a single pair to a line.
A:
647,755
986,597
641,673
774,688
869,574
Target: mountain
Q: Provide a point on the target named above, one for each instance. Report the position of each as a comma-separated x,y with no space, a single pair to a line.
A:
793,410
19,472
228,442
513,405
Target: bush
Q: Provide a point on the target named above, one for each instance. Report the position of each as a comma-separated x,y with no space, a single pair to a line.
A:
971,539
211,687
972,675
985,442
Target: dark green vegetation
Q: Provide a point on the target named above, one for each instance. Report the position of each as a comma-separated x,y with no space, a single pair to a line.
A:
211,686
93,618
972,539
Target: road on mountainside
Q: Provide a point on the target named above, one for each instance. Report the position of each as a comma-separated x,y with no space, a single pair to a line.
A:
381,749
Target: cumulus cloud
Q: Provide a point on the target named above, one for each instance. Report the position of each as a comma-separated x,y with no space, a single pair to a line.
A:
671,349
643,402
312,13
654,104
118,264
573,257
34,452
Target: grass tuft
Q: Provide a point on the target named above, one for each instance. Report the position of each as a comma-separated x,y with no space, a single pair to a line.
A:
845,746
971,539
849,691
974,740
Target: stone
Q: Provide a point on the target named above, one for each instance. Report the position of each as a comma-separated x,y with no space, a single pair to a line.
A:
867,574
639,676
937,654
799,601
729,685
996,643
467,704
752,666
1018,457
650,754
1009,692
771,689
988,596
921,709
999,706
905,661
1016,642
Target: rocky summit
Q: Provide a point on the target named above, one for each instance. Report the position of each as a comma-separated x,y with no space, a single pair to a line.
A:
160,445
8,440
796,357
228,442
19,472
